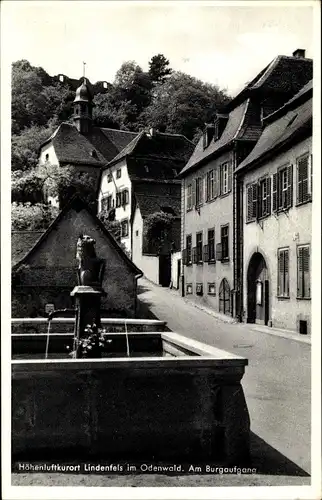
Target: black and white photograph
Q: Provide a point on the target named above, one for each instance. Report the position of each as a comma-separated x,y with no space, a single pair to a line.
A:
160,249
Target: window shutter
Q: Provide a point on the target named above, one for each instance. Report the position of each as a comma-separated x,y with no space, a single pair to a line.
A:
280,272
208,186
289,186
230,176
193,188
274,192
254,200
249,210
219,251
205,253
268,183
194,255
300,272
184,257
216,182
306,270
286,272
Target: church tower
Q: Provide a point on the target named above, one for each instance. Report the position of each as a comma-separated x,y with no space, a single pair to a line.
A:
83,106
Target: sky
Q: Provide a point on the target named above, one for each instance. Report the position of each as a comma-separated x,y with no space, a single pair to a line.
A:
221,43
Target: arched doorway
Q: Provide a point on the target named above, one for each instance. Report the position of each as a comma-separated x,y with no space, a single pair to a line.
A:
224,297
258,290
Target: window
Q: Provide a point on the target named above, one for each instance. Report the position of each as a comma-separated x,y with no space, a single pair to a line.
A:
304,178
136,233
109,177
252,206
199,248
106,203
303,272
211,245
125,197
199,197
118,199
282,188
264,198
283,272
47,157
211,185
124,228
199,289
211,288
224,242
189,197
225,178
118,173
189,289
189,249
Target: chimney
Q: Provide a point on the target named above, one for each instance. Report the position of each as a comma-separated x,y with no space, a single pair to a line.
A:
299,53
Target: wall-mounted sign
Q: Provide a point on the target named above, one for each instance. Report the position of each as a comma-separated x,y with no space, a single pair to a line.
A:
259,293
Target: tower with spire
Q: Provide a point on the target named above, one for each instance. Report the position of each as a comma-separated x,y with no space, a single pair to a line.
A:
83,107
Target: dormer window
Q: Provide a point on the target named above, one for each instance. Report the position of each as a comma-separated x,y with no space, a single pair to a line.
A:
219,125
208,135
94,154
47,157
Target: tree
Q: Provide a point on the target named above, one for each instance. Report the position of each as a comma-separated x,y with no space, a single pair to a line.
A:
37,217
183,104
159,68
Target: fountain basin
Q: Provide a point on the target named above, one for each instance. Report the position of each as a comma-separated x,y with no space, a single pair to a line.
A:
187,403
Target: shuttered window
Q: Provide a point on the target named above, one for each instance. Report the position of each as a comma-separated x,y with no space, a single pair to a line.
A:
211,185
189,197
252,202
194,255
189,250
303,272
225,178
124,228
118,199
199,247
283,272
304,188
211,245
264,197
199,191
125,197
106,203
224,242
283,188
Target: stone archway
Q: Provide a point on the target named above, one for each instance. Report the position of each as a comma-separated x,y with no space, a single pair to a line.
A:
258,290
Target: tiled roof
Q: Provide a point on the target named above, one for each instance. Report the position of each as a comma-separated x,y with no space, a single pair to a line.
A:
302,96
169,147
279,132
75,148
283,75
233,126
76,203
21,243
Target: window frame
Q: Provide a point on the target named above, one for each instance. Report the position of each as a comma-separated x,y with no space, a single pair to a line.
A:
199,191
213,259
189,254
212,284
223,257
299,296
118,173
199,248
189,197
308,197
285,293
211,182
125,221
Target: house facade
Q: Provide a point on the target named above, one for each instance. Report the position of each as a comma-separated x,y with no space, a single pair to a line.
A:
45,266
152,160
157,253
276,204
82,145
210,224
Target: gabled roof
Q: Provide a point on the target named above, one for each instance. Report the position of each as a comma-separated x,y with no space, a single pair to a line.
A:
293,125
237,127
159,146
21,243
77,203
275,77
97,148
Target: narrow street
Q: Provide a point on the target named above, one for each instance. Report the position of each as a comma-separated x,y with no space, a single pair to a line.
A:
276,382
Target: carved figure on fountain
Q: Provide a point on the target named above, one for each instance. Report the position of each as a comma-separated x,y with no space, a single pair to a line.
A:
90,267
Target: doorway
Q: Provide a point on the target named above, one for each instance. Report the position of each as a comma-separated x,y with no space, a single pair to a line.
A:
224,297
258,290
164,270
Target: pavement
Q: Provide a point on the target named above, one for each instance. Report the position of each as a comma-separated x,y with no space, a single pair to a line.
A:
277,382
